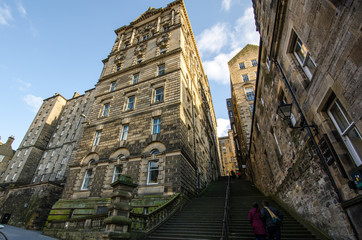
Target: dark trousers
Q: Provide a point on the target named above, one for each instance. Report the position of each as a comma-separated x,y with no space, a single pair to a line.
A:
274,233
259,237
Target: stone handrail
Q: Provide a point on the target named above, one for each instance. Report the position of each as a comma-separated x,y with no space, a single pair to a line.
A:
150,221
95,222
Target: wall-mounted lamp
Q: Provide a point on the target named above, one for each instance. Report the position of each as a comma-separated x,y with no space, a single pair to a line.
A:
88,120
285,111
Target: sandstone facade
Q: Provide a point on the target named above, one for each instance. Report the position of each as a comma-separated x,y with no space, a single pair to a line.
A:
152,116
228,155
310,57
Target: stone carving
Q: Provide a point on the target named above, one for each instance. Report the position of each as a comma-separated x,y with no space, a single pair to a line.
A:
119,58
140,49
163,39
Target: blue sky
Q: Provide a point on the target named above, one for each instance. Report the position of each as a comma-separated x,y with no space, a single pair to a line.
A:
57,46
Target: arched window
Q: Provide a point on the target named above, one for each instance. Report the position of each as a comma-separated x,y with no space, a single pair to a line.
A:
121,157
154,151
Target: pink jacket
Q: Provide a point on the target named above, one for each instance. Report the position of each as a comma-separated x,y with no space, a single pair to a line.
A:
256,222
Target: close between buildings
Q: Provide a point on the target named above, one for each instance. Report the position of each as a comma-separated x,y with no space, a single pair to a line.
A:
305,146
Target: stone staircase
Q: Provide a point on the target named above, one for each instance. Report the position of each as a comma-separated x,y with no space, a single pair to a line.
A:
202,218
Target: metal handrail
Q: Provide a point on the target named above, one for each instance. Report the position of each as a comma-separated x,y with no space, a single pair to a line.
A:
225,223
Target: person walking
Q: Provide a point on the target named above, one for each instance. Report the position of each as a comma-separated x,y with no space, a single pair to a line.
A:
256,222
272,219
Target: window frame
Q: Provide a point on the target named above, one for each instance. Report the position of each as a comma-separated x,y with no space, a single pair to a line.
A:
156,126
150,171
254,62
348,129
112,86
86,179
161,70
105,110
129,103
158,97
116,175
97,138
242,65
303,62
124,132
248,93
245,77
135,78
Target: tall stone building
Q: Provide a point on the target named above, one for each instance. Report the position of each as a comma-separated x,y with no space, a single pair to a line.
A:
40,165
306,136
152,116
228,156
6,154
44,153
243,69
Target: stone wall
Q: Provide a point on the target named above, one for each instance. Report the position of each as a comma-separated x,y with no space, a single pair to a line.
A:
29,206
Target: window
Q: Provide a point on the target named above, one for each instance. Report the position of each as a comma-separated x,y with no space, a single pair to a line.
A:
47,166
34,180
224,149
347,129
53,152
304,58
124,132
7,176
2,158
231,159
249,93
20,163
251,106
97,138
130,103
40,166
116,173
42,177
86,180
230,113
105,110
163,50
229,103
245,77
158,95
152,172
59,173
26,152
254,62
155,151
242,65
156,125
68,148
112,86
165,28
161,70
139,59
118,67
145,37
135,78
12,165
64,160
13,178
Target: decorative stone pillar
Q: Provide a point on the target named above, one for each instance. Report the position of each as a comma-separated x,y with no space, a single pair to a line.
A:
118,221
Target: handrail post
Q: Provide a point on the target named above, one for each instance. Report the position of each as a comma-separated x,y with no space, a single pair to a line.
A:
225,227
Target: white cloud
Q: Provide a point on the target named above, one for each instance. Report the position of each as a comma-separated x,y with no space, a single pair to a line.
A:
21,9
213,39
23,86
5,14
225,5
33,101
244,30
217,69
223,125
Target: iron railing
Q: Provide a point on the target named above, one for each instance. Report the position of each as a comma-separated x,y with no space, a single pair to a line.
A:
225,223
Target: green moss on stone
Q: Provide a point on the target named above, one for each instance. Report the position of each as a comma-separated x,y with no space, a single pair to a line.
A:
118,220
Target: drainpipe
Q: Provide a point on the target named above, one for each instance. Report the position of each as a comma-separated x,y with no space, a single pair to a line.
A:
320,155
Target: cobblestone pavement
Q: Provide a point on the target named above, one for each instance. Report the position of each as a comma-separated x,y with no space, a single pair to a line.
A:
15,233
